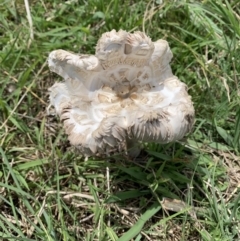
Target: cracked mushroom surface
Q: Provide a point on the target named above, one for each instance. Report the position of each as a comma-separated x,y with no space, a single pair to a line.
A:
123,95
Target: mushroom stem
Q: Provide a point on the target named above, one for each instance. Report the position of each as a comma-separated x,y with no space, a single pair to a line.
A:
133,147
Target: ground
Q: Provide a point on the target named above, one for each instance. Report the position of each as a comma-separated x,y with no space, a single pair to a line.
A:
188,190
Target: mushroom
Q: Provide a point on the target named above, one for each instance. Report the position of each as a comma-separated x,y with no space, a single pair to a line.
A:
123,95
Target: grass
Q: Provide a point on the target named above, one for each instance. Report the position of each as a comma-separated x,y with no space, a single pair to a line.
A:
187,190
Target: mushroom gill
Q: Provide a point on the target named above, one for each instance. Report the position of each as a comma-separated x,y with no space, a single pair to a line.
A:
124,95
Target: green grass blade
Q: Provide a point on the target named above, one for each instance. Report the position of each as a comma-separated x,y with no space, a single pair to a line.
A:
136,229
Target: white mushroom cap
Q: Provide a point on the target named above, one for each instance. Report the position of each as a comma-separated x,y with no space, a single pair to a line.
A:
126,93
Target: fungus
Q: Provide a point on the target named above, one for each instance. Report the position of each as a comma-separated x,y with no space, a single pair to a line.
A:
123,95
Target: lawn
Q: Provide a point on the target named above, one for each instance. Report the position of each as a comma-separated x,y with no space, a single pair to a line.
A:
182,191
